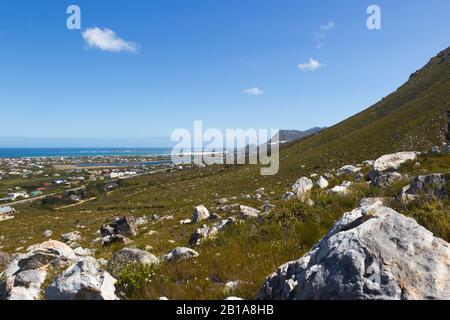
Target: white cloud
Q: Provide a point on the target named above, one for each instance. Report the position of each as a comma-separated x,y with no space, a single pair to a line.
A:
107,40
320,36
254,91
311,65
328,26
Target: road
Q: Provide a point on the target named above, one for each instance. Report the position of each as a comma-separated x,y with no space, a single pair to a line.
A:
29,200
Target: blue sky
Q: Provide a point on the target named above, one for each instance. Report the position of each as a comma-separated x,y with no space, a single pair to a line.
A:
231,64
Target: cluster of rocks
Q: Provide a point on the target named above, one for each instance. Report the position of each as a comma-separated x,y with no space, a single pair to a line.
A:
119,231
372,252
82,276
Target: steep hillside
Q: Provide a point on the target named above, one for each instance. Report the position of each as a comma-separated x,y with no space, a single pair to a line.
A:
414,117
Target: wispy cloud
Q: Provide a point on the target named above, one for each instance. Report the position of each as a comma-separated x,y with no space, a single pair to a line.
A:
311,65
320,36
107,40
254,91
328,26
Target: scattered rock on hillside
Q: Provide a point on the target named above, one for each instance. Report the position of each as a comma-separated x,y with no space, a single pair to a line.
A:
71,237
140,221
347,169
370,253
119,230
185,221
433,184
248,212
181,253
322,183
302,187
374,201
288,195
385,179
392,162
202,234
26,272
47,233
83,280
200,214
127,256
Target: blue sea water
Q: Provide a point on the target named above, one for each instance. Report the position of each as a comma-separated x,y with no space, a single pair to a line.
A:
80,152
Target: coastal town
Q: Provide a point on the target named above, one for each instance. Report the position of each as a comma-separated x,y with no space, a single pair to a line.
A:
70,179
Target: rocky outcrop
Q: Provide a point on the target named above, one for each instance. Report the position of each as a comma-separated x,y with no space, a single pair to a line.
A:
385,179
83,280
119,230
348,169
342,189
26,272
71,237
248,212
433,184
200,214
208,232
180,253
127,256
370,253
302,187
392,162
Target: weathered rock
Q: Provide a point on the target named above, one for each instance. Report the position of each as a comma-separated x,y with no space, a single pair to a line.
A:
47,233
214,216
180,253
348,169
370,253
71,236
83,280
202,234
392,162
339,190
119,230
385,179
368,163
248,212
302,187
288,195
433,184
26,272
322,183
128,256
374,201
185,221
140,221
200,214
116,238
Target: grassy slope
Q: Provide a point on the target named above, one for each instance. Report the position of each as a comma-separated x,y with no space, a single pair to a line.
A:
410,118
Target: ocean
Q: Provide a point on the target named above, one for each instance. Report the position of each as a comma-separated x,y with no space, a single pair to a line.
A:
80,152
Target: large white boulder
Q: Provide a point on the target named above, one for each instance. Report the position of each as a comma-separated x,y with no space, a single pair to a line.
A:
322,183
83,280
200,214
392,162
302,187
371,253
